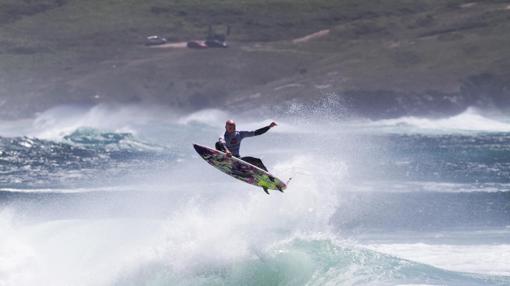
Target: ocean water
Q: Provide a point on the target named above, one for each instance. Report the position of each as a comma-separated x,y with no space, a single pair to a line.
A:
117,196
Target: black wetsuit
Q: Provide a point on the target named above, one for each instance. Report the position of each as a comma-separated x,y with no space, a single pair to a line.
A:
232,141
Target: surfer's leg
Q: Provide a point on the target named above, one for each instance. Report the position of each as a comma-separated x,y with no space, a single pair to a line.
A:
254,161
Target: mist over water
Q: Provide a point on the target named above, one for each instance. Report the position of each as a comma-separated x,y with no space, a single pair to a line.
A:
116,196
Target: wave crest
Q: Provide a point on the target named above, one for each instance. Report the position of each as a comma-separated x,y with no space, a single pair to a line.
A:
469,120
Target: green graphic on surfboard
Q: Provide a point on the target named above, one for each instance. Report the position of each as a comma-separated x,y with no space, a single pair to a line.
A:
240,169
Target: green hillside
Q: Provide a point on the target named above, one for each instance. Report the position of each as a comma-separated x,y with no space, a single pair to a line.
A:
380,57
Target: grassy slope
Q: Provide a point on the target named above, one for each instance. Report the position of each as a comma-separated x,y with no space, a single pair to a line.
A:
70,50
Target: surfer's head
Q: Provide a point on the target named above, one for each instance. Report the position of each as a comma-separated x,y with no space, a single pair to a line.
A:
230,126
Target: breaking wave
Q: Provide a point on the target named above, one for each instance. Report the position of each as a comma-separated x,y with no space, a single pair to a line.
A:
469,120
84,154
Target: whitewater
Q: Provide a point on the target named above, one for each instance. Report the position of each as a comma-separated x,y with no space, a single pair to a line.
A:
109,195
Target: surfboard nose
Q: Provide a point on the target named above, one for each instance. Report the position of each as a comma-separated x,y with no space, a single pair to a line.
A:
199,149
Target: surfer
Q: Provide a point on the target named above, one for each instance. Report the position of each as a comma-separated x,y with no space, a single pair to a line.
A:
226,158
231,142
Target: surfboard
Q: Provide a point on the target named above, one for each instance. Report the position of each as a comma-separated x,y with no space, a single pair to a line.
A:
239,169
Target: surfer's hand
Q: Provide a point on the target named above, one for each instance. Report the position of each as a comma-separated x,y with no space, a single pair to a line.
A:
273,124
228,154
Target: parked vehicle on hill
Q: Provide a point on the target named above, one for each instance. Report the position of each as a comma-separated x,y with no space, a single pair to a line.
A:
155,40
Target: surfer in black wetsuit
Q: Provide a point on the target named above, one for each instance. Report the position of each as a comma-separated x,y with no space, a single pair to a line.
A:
231,142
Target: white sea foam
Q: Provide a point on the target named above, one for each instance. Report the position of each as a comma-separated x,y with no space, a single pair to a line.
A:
70,252
478,258
469,120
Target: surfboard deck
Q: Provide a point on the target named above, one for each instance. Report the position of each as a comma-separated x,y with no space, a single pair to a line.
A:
239,169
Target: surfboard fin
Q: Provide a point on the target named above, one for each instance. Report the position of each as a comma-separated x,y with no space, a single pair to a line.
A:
279,189
265,190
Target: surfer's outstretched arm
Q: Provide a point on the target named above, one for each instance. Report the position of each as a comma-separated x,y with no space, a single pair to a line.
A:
263,130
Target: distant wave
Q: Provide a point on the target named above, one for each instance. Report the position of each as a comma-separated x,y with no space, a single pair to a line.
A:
83,154
63,120
469,120
109,140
